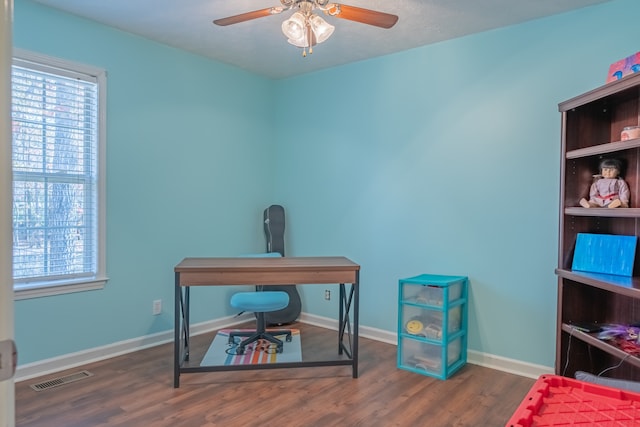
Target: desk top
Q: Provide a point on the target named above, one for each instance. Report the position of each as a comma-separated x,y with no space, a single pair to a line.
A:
266,271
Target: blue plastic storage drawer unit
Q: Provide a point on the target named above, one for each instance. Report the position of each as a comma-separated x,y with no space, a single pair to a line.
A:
432,324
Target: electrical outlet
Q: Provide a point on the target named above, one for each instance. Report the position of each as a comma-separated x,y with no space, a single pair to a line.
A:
157,307
327,294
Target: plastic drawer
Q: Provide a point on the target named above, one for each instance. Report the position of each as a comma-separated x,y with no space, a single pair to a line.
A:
427,358
431,292
423,322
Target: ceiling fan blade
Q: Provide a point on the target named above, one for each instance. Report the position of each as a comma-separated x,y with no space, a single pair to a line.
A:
365,16
235,19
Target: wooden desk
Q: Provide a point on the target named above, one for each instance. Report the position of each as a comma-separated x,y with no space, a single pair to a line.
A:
267,271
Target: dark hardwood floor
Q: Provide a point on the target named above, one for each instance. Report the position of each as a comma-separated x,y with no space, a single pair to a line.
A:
137,390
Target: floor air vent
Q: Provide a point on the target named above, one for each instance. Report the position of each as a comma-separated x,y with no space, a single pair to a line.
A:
55,382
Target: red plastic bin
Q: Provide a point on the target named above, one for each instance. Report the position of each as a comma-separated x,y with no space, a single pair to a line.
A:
559,401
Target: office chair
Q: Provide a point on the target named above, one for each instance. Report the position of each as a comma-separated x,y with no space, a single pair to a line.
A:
260,302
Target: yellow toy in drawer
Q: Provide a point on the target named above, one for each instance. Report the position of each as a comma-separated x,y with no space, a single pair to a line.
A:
414,326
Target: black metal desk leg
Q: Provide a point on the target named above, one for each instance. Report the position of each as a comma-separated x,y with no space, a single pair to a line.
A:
356,322
181,330
185,315
347,301
341,320
345,322
177,326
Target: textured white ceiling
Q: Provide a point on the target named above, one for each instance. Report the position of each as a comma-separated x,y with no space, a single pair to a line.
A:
260,47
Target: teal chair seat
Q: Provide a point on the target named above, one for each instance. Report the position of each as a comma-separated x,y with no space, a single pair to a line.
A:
260,301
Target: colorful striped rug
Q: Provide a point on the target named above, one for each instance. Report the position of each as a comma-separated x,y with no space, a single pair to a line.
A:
222,353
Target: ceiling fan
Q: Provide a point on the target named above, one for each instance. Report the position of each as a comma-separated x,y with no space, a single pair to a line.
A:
304,28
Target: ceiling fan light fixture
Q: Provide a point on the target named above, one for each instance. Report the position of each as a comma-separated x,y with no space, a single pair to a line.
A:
321,29
304,28
333,9
294,28
299,43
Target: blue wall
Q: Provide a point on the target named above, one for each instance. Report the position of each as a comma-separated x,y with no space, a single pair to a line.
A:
189,163
442,159
445,159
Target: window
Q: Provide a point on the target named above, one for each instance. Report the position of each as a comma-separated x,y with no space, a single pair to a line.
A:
58,115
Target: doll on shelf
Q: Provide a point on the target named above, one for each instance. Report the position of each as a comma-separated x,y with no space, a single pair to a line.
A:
608,190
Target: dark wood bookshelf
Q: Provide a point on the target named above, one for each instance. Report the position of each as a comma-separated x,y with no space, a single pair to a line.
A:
591,128
629,286
612,213
604,149
592,340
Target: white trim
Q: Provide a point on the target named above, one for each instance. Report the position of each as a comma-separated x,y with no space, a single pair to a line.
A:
59,289
72,360
491,361
365,331
73,69
511,366
63,64
7,320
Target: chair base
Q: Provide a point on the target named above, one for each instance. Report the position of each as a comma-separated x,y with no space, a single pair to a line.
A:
269,301
254,336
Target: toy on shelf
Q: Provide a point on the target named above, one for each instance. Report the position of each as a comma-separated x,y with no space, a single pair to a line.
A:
625,337
624,67
608,190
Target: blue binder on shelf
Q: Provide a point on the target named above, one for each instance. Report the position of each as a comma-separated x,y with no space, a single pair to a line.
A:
605,253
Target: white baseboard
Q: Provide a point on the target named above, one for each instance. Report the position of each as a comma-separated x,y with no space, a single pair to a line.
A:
72,360
499,363
511,366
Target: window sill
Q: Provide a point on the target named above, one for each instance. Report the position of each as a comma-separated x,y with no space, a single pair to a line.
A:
49,289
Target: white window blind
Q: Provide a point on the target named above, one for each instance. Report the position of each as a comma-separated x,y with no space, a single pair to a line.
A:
56,180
